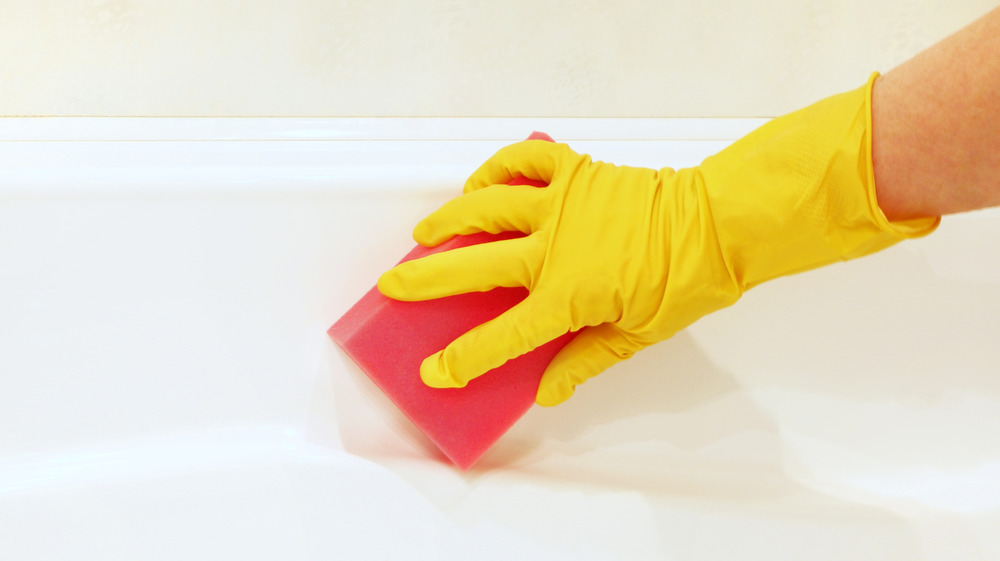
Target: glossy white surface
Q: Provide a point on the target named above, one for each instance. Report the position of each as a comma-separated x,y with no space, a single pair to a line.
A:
169,390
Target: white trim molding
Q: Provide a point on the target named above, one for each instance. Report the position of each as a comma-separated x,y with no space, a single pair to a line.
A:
253,154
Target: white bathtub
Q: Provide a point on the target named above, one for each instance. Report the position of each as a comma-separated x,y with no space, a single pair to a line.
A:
169,392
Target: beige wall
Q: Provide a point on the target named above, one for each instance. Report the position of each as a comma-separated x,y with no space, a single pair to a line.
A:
452,57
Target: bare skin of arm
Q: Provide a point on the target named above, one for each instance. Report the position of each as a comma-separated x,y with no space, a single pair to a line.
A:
936,127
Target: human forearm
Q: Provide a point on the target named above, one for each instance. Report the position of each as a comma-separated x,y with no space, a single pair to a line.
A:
936,127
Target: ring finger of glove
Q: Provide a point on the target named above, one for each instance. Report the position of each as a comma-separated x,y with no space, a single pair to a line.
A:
493,209
476,268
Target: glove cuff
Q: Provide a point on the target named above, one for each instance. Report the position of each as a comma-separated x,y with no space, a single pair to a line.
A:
904,229
799,192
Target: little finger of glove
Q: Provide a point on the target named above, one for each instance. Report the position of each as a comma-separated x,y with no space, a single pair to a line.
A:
535,159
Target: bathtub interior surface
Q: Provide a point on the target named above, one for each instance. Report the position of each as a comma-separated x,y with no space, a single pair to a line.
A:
169,390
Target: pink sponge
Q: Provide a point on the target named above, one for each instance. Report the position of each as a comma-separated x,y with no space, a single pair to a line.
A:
389,339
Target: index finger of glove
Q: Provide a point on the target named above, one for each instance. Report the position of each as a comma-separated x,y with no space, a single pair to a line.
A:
527,325
534,159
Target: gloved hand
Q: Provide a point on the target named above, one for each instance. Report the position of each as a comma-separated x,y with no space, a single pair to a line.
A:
631,256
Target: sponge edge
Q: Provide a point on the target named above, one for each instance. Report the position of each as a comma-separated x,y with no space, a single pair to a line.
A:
388,339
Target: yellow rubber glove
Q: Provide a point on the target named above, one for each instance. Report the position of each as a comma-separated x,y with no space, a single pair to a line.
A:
631,256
